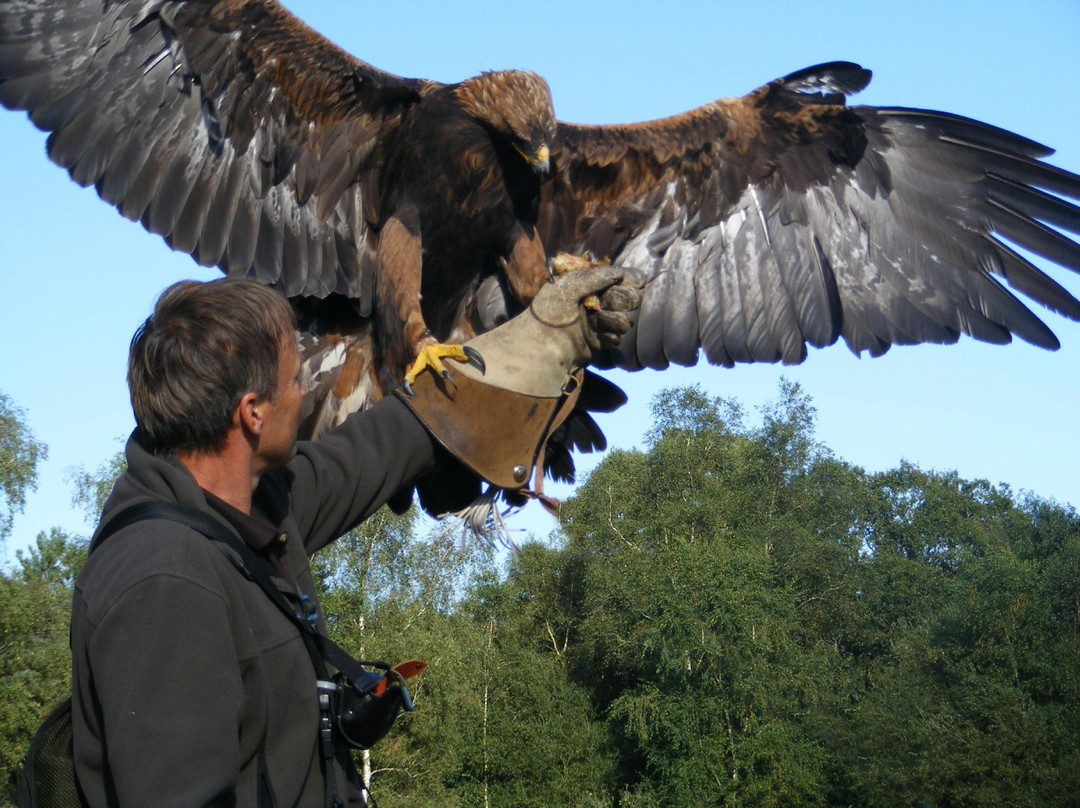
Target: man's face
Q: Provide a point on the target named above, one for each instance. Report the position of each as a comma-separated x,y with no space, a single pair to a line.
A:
281,415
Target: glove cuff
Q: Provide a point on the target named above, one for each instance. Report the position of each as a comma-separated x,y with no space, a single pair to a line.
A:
497,433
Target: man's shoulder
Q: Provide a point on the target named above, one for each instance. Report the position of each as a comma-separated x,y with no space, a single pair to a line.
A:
149,550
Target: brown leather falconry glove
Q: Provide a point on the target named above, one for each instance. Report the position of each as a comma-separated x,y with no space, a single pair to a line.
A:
523,377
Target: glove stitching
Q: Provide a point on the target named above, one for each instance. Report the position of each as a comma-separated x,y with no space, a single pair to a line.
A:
542,321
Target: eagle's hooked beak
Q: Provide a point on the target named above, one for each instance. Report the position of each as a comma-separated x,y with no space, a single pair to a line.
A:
540,162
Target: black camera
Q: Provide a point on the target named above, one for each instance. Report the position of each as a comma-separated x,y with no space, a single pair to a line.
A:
365,711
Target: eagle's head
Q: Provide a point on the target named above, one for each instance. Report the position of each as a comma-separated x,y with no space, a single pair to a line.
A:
517,105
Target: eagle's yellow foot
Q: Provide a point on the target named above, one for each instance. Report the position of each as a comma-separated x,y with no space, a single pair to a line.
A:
431,356
565,262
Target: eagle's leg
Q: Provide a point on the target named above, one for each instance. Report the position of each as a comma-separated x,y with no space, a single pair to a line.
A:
397,285
528,266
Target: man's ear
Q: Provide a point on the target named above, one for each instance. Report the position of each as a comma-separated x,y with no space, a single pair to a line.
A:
248,414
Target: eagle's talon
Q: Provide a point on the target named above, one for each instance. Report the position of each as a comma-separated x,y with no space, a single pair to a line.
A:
432,356
474,358
407,387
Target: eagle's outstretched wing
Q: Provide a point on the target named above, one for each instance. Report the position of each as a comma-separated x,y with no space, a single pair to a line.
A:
785,219
231,128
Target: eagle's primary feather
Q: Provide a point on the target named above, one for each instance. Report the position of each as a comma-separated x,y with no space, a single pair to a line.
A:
395,212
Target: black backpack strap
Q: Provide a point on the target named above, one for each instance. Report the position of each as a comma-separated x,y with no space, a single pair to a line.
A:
173,511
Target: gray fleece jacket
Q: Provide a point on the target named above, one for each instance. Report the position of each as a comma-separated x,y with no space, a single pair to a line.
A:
188,684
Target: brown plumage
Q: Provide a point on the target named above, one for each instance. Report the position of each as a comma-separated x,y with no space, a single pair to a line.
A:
396,211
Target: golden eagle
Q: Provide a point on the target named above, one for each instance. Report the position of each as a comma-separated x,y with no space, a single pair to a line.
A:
397,212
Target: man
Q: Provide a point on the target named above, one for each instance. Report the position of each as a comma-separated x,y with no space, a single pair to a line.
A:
190,688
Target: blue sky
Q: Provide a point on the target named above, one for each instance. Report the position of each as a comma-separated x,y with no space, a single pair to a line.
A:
77,279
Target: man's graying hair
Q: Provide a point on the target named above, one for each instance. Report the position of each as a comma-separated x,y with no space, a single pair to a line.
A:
203,348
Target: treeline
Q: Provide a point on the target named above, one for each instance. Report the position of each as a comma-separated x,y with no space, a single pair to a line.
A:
734,617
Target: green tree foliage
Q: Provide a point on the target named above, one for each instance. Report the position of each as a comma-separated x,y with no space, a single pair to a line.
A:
971,695
93,488
736,617
695,634
763,624
20,454
35,598
35,661
538,741
391,597
498,723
